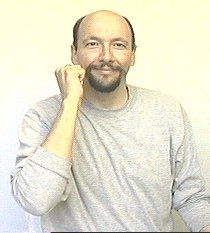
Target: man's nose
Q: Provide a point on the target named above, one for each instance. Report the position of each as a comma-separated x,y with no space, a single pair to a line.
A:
106,54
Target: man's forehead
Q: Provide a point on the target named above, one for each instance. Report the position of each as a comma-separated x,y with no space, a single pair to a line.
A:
105,21
102,13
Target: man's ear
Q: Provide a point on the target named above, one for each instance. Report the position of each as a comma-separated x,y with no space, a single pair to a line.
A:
132,62
74,55
132,59
133,56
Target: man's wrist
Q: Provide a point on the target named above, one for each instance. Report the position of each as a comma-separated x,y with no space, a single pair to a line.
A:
71,101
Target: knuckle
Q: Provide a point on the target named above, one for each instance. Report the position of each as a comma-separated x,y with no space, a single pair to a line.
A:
59,72
56,71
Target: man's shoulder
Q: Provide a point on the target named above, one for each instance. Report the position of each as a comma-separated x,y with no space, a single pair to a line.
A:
46,108
154,95
52,102
157,100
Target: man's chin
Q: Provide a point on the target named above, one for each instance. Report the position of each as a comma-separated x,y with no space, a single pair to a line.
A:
101,87
104,89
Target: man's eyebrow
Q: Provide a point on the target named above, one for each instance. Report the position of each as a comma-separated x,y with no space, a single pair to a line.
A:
91,38
120,39
100,40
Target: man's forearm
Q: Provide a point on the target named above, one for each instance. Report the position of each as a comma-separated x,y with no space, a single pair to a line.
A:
60,139
44,175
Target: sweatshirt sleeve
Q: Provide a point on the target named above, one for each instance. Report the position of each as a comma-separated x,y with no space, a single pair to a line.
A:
189,189
40,179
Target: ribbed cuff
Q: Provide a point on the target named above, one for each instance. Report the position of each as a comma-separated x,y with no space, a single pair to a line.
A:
198,217
199,224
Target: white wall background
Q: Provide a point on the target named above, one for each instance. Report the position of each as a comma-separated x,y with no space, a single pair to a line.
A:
173,56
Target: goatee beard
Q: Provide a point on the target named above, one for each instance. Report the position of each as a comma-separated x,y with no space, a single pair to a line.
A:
97,84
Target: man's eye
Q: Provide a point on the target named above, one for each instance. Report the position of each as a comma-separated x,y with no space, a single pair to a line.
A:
92,44
119,45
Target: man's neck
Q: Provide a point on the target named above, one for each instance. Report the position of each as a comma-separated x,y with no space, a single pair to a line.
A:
110,101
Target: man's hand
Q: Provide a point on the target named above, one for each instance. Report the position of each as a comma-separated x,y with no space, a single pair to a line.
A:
70,80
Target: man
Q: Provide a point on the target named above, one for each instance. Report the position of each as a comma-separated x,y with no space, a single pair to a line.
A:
104,155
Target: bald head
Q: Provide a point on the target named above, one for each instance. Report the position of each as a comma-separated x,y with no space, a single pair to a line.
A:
107,18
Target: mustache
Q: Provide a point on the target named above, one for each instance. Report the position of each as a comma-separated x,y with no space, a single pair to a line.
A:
105,64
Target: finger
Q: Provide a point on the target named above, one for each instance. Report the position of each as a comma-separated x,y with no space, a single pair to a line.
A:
73,66
81,74
69,70
76,69
59,72
56,71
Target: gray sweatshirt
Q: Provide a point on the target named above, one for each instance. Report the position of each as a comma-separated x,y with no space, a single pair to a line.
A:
130,168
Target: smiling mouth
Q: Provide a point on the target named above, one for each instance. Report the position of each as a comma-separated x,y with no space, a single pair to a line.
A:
105,70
